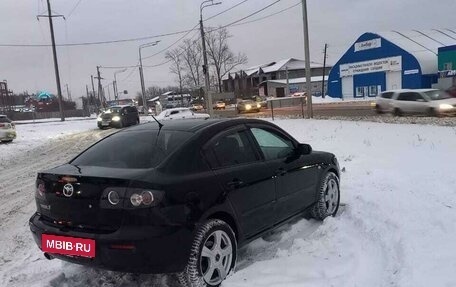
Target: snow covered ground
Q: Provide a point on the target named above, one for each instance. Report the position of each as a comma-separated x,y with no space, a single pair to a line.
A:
397,228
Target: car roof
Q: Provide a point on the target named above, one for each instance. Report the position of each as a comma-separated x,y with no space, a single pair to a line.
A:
194,125
409,90
178,109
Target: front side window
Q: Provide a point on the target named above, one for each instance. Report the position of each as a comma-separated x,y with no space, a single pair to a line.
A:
437,95
232,149
133,149
273,145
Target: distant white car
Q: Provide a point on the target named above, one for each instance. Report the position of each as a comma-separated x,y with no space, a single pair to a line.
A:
180,114
7,129
430,102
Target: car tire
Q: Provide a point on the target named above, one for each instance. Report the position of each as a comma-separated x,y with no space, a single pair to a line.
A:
378,109
219,242
137,121
328,197
121,124
397,112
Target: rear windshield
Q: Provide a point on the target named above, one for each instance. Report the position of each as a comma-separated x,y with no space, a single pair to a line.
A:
133,149
437,95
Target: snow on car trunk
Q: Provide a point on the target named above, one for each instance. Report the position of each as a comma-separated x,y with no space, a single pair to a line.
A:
397,226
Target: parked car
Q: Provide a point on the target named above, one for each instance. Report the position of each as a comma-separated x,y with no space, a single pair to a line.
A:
7,129
219,105
118,117
197,107
431,102
248,106
179,114
180,198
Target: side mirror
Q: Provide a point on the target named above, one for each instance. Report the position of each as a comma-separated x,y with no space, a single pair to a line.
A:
303,149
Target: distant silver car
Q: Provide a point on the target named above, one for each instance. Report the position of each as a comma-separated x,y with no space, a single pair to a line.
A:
7,129
431,102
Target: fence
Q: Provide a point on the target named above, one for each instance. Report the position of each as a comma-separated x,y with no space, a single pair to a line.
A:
20,116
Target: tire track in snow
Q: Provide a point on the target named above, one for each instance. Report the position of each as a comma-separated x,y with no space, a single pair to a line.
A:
17,206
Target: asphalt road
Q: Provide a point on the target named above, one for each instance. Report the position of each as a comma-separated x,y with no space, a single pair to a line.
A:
349,109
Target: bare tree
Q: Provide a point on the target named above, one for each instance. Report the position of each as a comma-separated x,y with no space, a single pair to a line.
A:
192,56
220,55
177,67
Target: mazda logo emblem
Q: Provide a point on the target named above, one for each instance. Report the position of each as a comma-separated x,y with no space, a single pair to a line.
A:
68,190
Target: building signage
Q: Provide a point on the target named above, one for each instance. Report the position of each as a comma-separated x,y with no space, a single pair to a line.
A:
411,72
379,65
367,45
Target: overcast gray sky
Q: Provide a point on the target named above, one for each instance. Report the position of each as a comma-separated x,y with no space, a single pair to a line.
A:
336,22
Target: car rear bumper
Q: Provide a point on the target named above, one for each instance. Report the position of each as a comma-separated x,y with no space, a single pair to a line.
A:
157,249
7,135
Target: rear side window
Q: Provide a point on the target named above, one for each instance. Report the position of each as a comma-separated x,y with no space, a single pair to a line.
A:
409,97
387,95
133,149
230,150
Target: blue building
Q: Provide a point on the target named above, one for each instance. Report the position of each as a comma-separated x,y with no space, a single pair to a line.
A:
378,62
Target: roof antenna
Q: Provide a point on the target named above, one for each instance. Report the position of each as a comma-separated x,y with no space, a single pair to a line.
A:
160,125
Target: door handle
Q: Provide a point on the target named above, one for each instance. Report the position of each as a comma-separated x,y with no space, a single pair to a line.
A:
281,172
235,183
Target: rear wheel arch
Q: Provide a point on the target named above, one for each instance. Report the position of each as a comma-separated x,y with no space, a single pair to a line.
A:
229,219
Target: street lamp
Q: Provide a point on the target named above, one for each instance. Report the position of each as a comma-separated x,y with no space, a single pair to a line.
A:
116,93
205,4
141,73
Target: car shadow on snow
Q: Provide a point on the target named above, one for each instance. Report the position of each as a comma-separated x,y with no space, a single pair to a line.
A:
264,248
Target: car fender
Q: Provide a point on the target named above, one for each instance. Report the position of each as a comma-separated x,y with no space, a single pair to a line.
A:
220,211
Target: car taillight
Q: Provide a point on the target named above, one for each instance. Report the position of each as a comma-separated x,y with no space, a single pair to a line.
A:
40,188
2,126
130,198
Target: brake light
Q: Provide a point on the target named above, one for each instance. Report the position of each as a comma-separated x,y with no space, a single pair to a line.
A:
2,125
130,198
40,188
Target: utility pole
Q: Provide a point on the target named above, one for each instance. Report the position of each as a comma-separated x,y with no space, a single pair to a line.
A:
141,73
88,100
324,72
307,59
100,88
205,66
93,93
54,52
288,82
68,92
114,87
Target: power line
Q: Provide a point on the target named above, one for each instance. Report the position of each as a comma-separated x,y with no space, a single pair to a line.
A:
74,8
224,11
267,16
97,43
221,27
250,15
174,43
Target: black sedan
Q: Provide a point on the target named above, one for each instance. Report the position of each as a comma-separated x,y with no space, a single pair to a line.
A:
181,198
118,117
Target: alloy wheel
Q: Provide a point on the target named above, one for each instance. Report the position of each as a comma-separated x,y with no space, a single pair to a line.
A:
216,257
